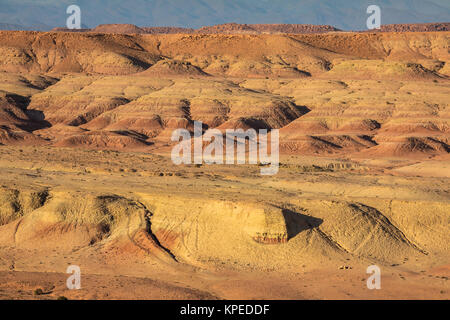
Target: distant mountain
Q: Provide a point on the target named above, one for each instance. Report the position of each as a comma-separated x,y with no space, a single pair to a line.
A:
35,26
227,28
425,27
11,26
343,14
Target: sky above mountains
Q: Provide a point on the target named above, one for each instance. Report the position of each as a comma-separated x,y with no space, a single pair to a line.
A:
343,14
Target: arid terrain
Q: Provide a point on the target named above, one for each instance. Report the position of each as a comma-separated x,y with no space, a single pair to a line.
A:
238,28
86,176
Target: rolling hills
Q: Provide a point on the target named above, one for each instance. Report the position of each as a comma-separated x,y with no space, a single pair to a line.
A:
87,179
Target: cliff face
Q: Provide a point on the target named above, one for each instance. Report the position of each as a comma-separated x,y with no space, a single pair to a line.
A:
418,27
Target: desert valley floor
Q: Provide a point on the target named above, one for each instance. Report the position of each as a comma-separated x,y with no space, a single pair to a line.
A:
86,176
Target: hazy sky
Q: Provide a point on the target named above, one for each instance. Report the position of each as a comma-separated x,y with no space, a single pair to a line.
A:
344,14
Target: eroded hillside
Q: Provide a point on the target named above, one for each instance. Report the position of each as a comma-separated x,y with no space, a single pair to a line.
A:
87,179
382,94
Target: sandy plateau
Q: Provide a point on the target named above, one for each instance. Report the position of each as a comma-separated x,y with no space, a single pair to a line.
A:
86,177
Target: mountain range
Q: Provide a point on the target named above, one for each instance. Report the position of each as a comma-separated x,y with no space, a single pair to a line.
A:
343,14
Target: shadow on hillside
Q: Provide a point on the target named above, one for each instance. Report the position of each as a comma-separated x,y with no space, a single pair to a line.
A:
297,222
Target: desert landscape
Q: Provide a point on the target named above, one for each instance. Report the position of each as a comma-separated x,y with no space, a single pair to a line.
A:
87,179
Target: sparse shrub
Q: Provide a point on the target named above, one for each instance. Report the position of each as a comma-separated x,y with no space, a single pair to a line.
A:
38,292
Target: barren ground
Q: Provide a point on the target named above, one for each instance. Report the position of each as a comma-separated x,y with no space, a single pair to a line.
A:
86,177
